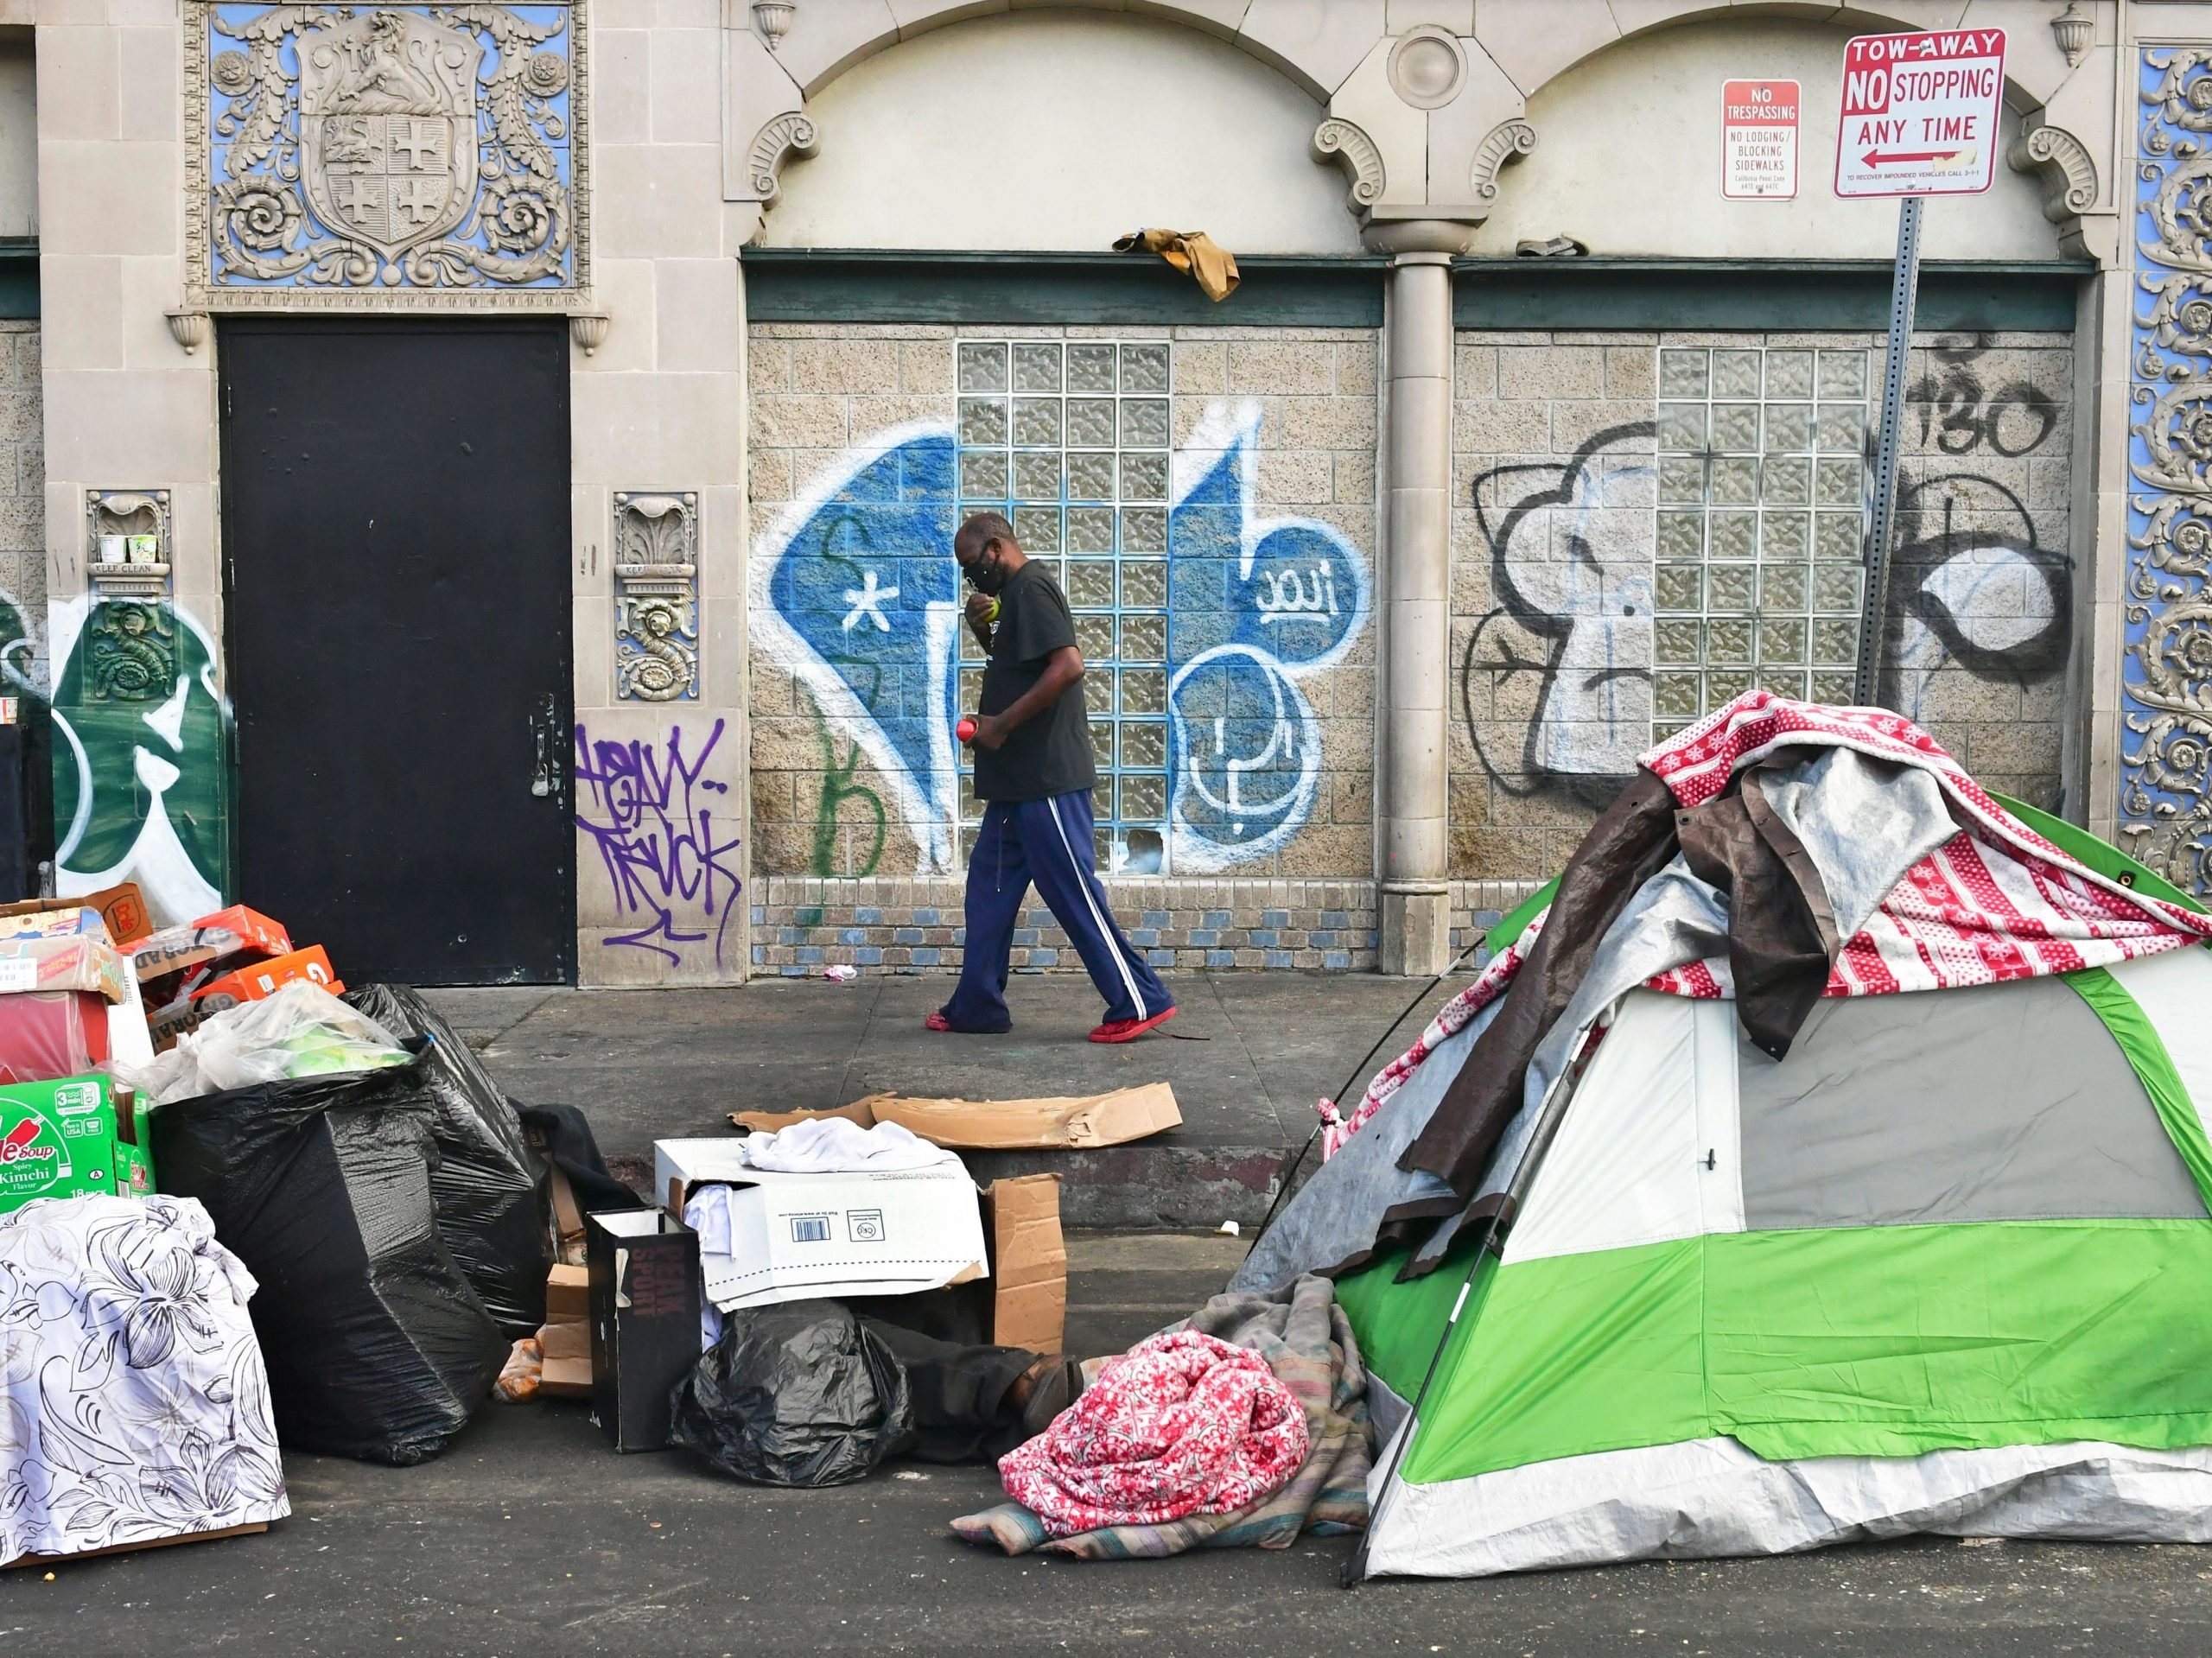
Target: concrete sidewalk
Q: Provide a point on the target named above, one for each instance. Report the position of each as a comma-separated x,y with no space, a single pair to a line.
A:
1249,1054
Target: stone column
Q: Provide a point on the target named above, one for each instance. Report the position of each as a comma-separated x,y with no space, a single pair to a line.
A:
1413,672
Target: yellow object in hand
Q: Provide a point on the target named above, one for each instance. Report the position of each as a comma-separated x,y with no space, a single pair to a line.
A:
991,615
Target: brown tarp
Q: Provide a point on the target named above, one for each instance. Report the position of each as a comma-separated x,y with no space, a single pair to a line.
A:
1782,940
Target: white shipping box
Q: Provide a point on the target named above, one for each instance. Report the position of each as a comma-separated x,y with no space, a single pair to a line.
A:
794,1236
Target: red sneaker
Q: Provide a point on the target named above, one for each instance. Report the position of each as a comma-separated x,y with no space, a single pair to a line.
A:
1128,1030
938,1022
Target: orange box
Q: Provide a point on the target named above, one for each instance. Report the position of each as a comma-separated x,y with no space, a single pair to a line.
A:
215,937
261,979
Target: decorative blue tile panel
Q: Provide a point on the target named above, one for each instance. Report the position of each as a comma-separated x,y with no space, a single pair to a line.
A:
395,155
2165,801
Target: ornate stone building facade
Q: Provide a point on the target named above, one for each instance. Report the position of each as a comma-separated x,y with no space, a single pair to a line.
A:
1518,446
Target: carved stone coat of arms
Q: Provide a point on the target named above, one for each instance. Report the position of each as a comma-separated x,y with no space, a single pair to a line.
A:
387,124
400,154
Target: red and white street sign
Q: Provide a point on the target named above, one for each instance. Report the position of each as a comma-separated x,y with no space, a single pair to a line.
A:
1920,113
1758,139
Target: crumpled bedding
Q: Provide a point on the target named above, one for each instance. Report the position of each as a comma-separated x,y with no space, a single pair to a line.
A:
134,1405
1143,1466
836,1146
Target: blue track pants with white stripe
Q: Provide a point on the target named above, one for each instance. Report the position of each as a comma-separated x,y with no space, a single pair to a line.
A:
1047,842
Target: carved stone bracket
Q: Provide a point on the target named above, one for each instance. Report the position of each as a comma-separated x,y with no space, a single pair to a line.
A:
1347,144
787,135
1507,141
2068,174
655,597
130,634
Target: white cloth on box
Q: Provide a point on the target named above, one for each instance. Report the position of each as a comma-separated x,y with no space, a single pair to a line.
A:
839,1146
134,1405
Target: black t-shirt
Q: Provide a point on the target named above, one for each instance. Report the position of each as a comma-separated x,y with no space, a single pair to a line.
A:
1050,754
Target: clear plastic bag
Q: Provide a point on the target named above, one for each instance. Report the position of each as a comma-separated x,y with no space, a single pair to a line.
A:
301,1031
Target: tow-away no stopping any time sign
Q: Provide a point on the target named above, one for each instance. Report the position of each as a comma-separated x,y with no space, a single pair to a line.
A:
1920,113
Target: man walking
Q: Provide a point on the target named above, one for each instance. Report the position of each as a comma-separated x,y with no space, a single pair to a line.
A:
1034,770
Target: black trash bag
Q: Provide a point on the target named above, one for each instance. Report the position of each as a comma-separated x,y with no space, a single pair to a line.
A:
376,1345
484,1185
561,1136
795,1393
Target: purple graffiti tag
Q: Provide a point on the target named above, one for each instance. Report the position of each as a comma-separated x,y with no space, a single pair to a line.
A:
650,810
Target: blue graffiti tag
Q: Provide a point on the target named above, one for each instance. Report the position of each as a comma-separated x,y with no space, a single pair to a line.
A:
650,808
855,592
860,598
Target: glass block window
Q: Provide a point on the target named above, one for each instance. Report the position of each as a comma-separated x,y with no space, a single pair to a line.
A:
1761,486
1069,440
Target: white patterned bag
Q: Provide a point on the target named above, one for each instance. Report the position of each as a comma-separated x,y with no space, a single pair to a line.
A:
133,1402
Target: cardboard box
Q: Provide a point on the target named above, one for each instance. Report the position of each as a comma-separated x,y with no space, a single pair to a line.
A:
567,1295
1029,1262
79,962
645,1320
129,1040
793,1235
261,979
234,931
121,908
1059,1123
65,1138
564,1372
64,921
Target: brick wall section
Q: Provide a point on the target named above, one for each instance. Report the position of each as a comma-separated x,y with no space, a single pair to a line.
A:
1978,613
23,503
910,927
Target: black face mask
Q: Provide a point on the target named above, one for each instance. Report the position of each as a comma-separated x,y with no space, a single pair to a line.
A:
987,575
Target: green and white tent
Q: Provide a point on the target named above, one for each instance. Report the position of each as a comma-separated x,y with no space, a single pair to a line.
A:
1945,1267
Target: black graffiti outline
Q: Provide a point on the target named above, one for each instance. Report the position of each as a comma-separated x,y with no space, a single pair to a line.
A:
1591,788
1972,414
2035,658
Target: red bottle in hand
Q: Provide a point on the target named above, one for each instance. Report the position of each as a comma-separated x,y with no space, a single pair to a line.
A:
966,729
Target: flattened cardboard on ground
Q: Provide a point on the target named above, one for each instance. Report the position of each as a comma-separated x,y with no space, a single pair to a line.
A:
793,1235
1029,1260
247,1530
1062,1123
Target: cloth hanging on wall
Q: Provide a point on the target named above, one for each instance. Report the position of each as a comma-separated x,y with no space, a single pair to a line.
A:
1192,251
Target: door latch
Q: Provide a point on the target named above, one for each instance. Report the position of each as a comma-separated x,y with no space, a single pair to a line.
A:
545,777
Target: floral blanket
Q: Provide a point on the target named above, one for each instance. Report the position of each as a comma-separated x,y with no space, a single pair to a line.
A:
133,1402
1186,1443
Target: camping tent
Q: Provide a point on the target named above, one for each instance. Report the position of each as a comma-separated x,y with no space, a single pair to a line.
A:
1942,1264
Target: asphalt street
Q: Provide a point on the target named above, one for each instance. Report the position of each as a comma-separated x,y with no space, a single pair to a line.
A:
530,1536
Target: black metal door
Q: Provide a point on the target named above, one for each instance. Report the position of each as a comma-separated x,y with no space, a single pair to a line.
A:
396,553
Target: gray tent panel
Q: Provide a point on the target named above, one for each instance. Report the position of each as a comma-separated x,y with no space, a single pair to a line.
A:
2006,1102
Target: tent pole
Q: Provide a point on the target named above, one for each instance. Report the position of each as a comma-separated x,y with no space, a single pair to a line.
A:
1284,1177
1524,1172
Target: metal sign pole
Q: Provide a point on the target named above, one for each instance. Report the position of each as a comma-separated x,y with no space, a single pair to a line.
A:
1904,281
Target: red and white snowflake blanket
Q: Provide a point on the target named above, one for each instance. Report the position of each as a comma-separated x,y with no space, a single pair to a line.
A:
1995,902
1181,1424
